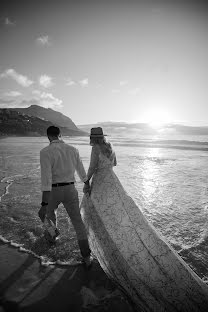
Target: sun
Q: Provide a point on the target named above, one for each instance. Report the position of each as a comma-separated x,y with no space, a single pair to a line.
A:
156,118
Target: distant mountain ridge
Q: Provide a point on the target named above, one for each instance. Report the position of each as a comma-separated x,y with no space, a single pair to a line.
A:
125,128
24,122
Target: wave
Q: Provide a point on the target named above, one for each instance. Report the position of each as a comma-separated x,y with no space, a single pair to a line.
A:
9,181
180,142
42,259
152,142
173,144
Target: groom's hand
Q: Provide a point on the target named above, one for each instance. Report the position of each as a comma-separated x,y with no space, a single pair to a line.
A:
42,212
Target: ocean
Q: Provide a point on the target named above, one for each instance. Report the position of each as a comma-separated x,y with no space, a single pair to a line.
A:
166,176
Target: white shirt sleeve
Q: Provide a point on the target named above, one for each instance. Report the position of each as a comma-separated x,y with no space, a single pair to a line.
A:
46,172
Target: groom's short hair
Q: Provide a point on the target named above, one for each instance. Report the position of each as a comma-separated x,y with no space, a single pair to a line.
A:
53,131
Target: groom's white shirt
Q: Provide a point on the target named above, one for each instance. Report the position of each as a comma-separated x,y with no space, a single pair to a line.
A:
58,162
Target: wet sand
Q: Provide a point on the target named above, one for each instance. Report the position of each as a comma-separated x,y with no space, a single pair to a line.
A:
26,285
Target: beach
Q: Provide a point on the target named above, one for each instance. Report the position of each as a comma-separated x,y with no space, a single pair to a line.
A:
169,184
27,285
35,276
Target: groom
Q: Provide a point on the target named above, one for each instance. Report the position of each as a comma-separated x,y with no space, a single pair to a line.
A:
58,162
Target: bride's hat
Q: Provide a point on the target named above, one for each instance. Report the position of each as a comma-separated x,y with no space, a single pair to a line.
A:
97,132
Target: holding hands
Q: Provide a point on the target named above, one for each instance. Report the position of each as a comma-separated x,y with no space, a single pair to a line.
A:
86,188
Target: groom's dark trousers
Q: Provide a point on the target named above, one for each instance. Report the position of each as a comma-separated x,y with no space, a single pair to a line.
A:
68,195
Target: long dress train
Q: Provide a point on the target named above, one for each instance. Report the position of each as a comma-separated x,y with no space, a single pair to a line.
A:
131,251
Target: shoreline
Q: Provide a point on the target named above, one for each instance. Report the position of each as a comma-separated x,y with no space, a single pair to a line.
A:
4,136
30,286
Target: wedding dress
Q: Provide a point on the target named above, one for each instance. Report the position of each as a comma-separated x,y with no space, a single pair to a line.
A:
132,252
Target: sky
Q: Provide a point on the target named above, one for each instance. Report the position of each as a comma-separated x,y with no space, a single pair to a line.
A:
95,61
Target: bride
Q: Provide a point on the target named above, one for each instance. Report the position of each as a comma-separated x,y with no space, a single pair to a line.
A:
127,246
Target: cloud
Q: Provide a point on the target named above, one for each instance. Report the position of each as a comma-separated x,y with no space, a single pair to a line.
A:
123,83
36,92
20,79
43,40
45,81
84,82
6,101
134,91
46,100
70,82
43,99
13,93
8,22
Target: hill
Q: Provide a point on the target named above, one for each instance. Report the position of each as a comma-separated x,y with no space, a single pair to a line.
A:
12,122
48,114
